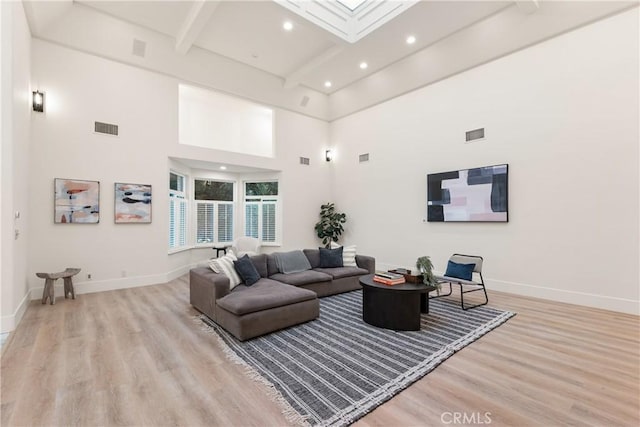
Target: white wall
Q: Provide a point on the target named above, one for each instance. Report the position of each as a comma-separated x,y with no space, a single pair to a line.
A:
16,117
564,115
82,89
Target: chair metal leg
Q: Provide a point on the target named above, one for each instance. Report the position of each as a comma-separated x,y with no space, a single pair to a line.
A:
486,298
443,295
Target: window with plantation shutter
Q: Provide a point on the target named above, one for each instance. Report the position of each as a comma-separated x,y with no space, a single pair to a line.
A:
177,212
204,221
269,221
214,205
261,211
225,222
251,210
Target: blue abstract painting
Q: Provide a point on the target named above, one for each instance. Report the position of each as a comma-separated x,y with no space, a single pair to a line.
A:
132,203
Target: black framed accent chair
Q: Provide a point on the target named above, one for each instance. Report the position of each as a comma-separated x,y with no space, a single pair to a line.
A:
462,270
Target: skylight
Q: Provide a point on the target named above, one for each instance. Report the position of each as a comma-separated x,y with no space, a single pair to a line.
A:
348,19
351,4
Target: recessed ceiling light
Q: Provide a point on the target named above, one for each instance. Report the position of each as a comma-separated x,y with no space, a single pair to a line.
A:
363,65
411,40
327,84
288,25
224,168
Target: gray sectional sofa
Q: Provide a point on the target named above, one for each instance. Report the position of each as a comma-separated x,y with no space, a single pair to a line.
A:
277,300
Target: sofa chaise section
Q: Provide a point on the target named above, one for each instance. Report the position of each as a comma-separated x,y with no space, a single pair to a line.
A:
250,311
277,300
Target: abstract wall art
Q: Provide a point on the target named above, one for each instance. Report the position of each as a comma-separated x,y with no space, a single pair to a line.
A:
132,203
76,201
469,195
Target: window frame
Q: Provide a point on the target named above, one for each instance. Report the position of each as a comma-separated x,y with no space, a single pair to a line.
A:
215,203
182,228
263,200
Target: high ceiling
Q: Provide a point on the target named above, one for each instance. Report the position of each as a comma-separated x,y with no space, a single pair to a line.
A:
328,41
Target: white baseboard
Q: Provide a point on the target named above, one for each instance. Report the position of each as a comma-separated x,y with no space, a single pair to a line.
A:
91,286
604,302
9,323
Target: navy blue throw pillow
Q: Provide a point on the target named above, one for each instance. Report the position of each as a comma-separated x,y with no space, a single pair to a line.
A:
330,258
460,271
246,270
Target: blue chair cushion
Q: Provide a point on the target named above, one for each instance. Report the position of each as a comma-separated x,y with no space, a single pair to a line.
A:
460,271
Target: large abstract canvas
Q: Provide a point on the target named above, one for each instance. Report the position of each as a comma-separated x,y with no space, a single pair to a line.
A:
76,201
132,203
478,194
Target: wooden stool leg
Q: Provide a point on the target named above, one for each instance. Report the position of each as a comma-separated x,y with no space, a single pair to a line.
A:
52,293
45,292
68,288
49,291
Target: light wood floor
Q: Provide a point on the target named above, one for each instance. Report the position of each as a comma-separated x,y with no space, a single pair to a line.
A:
136,357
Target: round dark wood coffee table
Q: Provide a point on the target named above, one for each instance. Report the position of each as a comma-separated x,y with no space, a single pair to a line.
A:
396,307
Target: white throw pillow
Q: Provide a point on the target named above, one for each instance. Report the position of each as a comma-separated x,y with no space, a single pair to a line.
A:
348,254
225,266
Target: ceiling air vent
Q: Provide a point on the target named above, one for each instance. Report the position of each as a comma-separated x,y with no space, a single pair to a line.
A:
304,161
363,157
106,128
474,135
304,101
139,48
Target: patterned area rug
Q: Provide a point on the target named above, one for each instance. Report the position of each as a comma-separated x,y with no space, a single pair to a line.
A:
335,369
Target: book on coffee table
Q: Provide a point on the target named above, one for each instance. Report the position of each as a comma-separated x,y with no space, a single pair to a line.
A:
386,281
389,275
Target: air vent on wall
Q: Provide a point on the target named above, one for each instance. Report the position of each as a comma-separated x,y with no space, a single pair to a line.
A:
304,161
139,48
106,128
363,157
304,101
474,135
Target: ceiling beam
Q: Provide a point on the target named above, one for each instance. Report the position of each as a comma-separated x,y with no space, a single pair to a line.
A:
198,16
528,6
294,78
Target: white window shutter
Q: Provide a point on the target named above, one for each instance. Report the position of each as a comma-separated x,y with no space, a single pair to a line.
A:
204,223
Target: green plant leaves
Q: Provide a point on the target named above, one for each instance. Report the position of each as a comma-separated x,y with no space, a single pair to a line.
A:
329,228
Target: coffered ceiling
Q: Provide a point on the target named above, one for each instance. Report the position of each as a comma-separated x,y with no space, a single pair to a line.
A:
325,41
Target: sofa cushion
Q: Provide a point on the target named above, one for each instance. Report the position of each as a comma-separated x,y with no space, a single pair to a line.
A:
260,263
301,278
246,270
340,272
263,295
272,268
291,262
313,255
330,258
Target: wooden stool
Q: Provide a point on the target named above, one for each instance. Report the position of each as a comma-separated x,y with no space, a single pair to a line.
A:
50,280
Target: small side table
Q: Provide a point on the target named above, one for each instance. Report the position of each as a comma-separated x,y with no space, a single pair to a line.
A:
50,280
219,249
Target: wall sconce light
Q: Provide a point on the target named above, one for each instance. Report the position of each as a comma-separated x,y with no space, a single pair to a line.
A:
38,101
328,155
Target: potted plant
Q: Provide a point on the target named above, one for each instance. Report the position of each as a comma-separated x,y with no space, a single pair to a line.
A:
329,228
425,267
